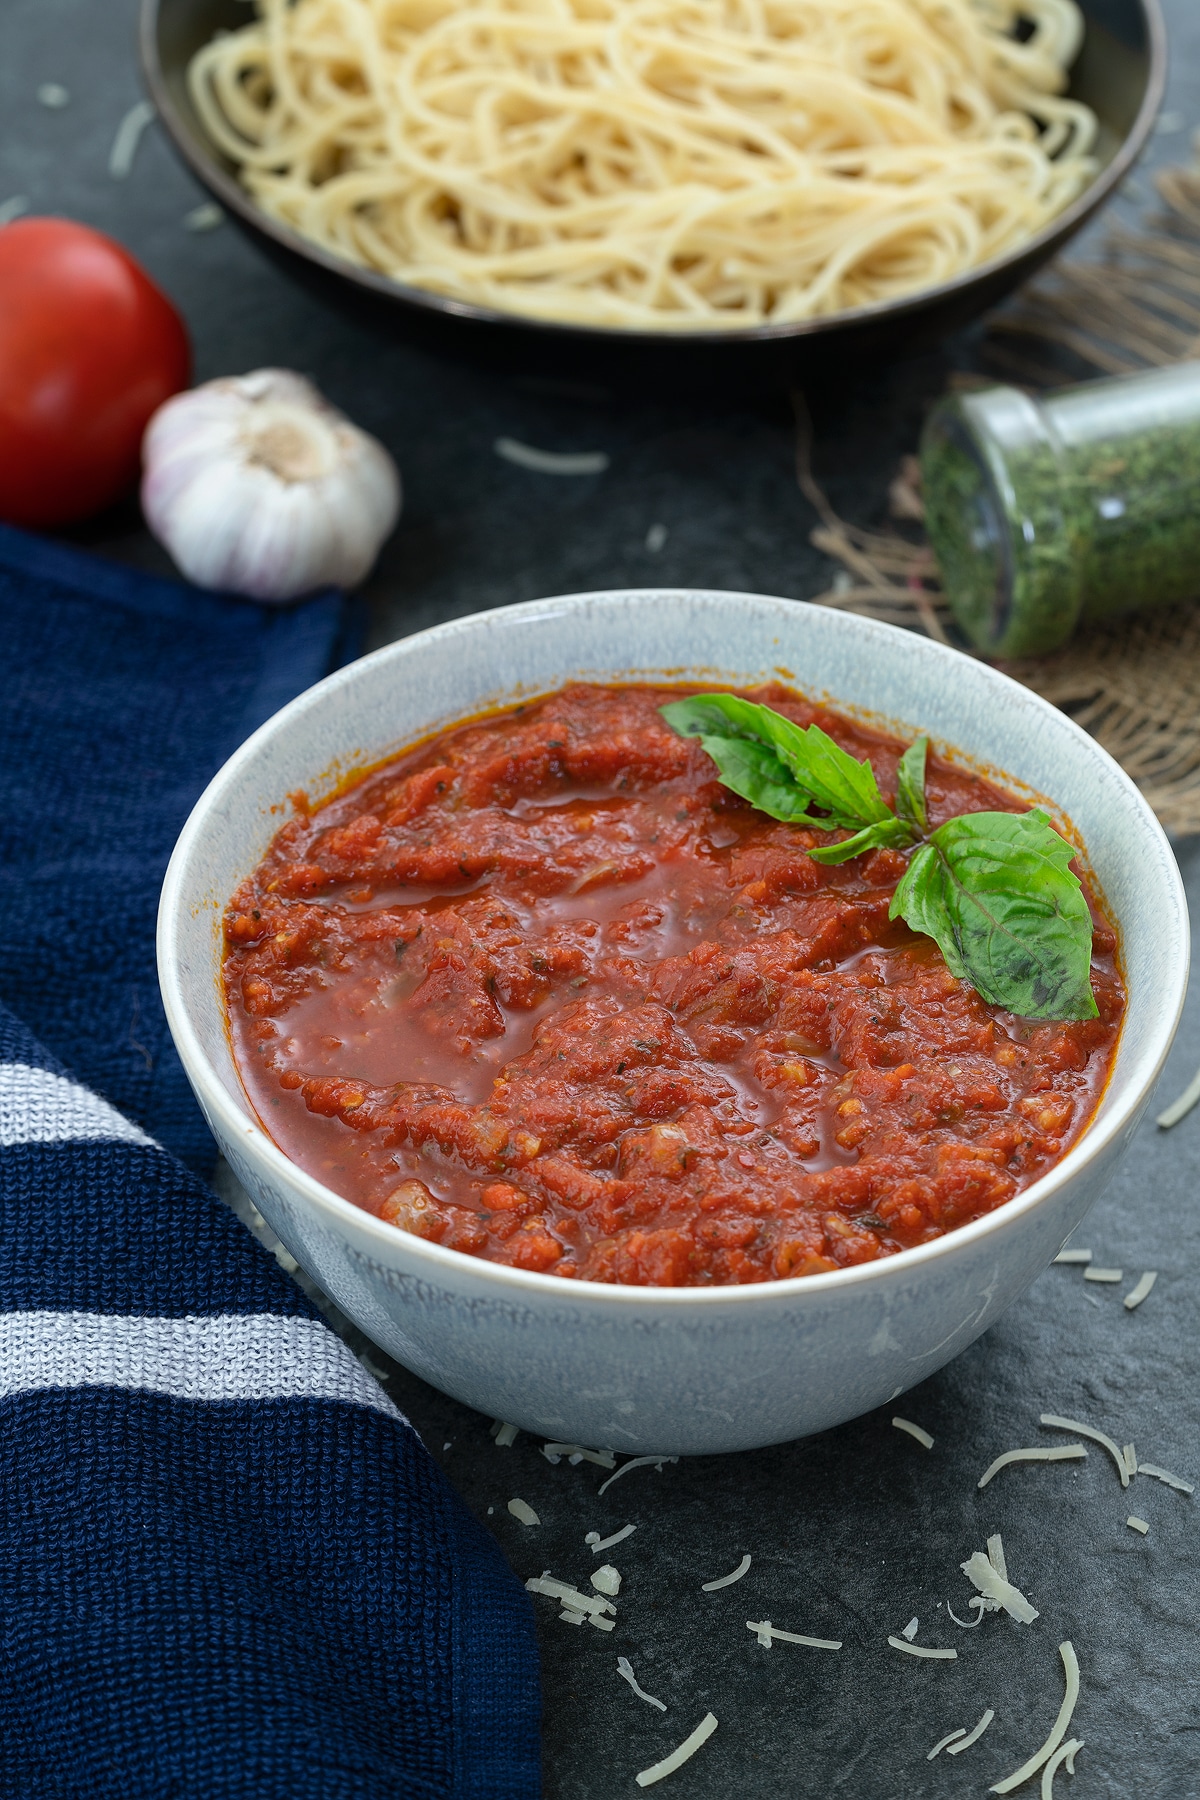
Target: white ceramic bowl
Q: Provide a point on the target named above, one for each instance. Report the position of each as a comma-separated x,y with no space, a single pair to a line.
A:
661,1369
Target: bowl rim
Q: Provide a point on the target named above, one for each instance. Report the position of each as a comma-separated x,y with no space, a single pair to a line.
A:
510,1283
203,160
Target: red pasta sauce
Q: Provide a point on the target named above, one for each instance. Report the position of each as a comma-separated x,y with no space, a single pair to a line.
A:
544,991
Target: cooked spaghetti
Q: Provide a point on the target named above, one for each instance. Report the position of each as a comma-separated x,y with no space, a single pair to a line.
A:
682,164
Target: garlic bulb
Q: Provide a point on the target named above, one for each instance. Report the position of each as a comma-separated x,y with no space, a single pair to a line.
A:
256,485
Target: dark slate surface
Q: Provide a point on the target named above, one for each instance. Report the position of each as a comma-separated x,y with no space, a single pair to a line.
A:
854,1532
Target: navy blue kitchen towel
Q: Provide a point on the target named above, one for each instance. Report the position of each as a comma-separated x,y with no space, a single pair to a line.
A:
228,1567
120,696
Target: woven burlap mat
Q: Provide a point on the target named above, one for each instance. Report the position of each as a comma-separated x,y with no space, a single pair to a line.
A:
1135,683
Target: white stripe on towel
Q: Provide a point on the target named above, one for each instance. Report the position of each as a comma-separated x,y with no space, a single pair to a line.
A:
234,1356
37,1107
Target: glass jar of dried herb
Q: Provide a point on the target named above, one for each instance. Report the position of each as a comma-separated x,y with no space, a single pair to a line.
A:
1053,512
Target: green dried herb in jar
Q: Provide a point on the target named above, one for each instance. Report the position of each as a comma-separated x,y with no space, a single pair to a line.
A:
1049,513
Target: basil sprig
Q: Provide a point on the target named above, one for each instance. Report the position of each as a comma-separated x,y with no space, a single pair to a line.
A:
994,890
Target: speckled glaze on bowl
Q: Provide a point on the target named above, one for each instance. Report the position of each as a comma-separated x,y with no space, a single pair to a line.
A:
659,1369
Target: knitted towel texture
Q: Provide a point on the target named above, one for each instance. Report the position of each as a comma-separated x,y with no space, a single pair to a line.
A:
122,696
228,1566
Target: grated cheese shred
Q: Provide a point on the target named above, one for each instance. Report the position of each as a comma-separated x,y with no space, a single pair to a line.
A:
1104,1274
551,462
1179,1109
688,1748
1141,1288
942,1742
571,1598
1136,1524
978,1569
625,1671
1059,1730
1073,1256
596,1542
606,1580
1057,1423
206,217
914,1431
577,1453
636,1462
767,1633
995,1550
973,1737
710,1587
521,1509
899,1643
1165,1475
128,137
1067,1453
1064,1754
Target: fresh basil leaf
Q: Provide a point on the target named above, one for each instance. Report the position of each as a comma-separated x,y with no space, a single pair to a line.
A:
885,831
910,785
723,715
755,772
996,893
835,780
729,716
831,777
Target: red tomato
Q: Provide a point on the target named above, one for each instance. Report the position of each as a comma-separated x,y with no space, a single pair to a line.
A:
89,347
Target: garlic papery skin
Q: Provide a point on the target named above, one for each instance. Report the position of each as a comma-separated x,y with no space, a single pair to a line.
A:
257,485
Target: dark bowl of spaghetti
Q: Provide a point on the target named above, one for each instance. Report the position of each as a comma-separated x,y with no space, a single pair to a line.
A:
639,187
